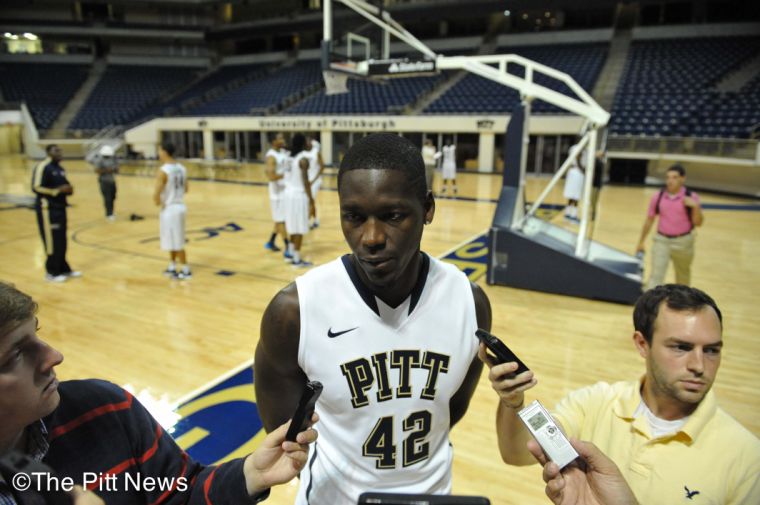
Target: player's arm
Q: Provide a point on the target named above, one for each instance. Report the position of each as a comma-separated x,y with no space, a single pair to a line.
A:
271,169
304,166
279,380
161,179
461,399
321,164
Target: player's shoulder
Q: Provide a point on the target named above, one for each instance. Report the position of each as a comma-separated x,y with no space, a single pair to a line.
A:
440,268
323,277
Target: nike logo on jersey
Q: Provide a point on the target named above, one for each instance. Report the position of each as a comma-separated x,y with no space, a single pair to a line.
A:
338,333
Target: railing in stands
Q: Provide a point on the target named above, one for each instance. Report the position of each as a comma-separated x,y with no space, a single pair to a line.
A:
728,149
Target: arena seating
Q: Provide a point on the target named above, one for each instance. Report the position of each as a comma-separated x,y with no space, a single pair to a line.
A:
475,94
208,88
45,87
668,89
269,91
368,97
125,90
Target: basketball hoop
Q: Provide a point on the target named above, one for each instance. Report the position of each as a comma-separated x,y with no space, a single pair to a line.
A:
335,82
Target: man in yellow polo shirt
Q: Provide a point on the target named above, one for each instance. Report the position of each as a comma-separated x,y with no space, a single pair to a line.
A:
672,442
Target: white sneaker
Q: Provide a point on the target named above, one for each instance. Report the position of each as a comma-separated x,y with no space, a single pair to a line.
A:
74,274
111,218
56,278
184,275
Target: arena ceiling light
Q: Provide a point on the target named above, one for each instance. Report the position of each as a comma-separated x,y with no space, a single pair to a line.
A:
30,36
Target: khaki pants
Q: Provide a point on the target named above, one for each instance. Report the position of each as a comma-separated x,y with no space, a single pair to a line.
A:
429,171
680,250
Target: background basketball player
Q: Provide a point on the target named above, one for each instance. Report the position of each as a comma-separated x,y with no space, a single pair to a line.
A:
316,167
298,200
169,194
449,167
276,168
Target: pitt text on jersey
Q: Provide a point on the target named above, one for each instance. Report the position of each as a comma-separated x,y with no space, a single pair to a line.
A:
362,373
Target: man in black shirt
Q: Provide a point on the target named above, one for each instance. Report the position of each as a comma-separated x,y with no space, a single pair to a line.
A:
50,185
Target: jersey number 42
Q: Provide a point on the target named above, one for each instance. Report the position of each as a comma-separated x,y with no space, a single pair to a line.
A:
381,442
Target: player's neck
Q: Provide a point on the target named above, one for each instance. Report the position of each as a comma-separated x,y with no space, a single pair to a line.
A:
395,294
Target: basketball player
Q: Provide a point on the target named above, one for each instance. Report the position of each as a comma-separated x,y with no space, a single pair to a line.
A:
316,167
298,200
449,166
169,194
276,168
51,188
574,180
387,329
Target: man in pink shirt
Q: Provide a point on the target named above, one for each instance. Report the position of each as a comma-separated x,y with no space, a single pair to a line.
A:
680,211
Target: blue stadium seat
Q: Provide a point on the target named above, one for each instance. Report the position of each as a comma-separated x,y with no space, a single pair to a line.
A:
45,87
680,75
125,90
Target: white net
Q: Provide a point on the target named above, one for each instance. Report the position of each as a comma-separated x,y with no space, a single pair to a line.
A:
335,82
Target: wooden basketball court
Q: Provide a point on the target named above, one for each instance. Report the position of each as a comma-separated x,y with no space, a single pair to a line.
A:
125,322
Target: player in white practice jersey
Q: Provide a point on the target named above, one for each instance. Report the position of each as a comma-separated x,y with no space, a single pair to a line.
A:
169,194
389,331
449,166
574,182
276,167
316,167
298,202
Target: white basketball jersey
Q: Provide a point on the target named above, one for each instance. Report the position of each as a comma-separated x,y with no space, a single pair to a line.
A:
449,156
388,377
313,160
276,188
294,177
174,190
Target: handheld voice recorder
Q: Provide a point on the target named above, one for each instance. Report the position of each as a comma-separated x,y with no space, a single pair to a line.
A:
547,434
302,416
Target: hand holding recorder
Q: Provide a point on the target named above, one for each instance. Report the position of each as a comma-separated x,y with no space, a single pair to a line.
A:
592,480
509,376
283,453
